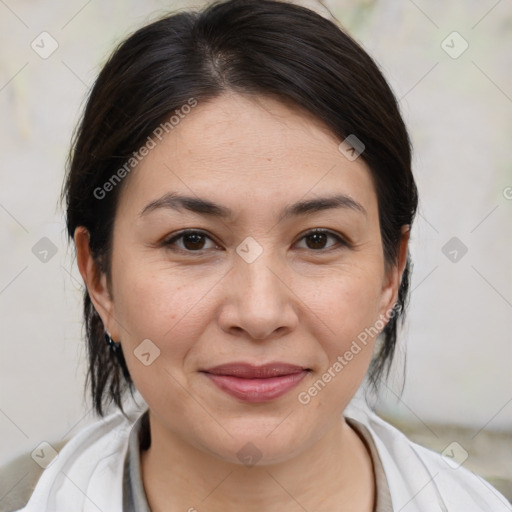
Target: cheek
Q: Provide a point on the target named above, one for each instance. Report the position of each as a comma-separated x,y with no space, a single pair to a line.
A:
348,308
347,302
164,305
166,309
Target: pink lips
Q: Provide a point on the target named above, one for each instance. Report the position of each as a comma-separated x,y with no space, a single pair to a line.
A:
256,383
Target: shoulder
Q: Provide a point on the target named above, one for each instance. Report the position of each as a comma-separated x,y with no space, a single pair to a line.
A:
96,449
19,478
455,483
421,479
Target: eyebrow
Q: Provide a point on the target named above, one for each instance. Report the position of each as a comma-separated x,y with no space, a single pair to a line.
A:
209,208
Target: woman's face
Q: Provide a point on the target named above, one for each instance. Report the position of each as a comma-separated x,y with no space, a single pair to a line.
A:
254,286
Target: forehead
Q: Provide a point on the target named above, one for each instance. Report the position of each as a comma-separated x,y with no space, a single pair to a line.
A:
256,128
239,149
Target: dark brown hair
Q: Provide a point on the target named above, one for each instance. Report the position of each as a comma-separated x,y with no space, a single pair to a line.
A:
255,47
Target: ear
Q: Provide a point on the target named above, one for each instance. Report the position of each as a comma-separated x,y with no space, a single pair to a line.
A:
96,282
393,277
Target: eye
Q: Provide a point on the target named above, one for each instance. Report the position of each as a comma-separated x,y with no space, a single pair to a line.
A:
191,241
196,241
317,239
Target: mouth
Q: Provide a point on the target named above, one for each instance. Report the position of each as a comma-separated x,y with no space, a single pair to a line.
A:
251,383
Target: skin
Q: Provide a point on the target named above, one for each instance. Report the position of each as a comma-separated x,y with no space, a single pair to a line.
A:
298,302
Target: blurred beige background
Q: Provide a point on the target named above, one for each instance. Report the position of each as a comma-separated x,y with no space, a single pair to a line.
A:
450,65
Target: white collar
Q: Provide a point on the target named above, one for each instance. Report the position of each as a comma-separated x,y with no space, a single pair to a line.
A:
87,475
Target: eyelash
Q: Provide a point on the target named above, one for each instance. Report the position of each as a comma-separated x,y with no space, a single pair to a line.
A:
343,243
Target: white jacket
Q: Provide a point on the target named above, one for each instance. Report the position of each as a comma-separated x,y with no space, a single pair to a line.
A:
87,475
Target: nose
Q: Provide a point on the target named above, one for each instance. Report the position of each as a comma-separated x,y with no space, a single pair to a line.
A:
258,302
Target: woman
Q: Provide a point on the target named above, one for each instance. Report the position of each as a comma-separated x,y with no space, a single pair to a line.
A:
240,196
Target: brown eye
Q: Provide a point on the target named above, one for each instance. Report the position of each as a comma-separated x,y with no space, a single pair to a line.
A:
191,241
317,240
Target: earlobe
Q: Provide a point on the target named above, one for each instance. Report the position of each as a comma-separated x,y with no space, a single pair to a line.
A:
95,280
394,275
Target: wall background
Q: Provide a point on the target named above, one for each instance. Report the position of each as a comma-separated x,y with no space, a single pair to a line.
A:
459,112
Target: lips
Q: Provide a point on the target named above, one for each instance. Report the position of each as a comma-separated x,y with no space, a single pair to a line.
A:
252,383
249,371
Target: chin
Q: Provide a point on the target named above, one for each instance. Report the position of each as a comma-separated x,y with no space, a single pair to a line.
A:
259,442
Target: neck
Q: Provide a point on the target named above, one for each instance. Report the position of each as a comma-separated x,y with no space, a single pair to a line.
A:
336,470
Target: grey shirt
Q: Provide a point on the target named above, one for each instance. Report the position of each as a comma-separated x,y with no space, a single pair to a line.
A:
134,496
